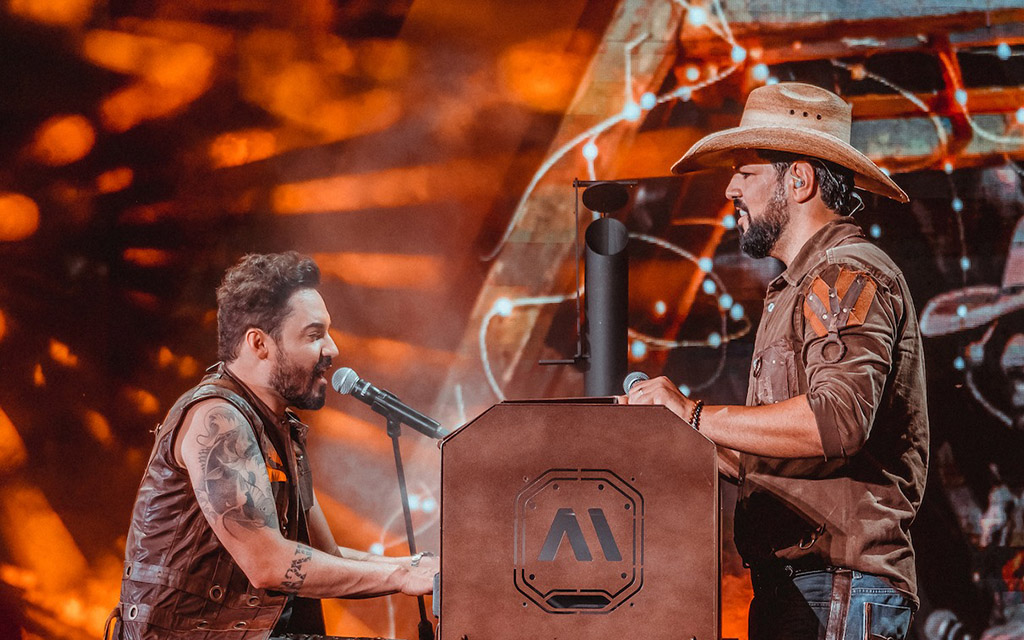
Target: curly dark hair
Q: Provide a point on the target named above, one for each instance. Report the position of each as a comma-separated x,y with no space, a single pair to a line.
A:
255,293
834,181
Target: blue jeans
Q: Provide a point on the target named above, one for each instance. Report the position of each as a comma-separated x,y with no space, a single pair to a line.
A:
833,604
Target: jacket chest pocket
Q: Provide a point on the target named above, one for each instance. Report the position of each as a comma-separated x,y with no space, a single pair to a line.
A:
774,373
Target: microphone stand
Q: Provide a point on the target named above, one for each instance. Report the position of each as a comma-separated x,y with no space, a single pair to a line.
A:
425,628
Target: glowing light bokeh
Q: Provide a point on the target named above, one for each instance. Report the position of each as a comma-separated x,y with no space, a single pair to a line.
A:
383,270
396,187
147,256
61,354
12,448
63,139
236,148
115,180
144,401
19,217
98,427
61,13
541,73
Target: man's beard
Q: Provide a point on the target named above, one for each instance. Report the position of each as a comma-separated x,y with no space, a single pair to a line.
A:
761,235
300,388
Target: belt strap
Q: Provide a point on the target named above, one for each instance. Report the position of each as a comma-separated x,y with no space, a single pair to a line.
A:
839,608
168,577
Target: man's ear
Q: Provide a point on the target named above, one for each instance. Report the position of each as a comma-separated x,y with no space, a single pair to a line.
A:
801,181
258,342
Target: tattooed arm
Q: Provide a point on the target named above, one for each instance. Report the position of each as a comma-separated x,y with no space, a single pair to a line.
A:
220,452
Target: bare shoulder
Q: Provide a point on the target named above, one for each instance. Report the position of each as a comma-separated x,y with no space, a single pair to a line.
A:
225,464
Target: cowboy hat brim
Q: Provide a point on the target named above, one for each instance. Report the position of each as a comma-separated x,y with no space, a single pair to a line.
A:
967,308
718,149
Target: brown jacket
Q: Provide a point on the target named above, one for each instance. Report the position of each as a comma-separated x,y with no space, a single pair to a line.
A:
863,373
178,581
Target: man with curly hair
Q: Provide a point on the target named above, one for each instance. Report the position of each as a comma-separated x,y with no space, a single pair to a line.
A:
227,538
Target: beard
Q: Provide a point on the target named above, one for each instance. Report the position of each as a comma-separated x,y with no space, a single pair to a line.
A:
761,235
299,387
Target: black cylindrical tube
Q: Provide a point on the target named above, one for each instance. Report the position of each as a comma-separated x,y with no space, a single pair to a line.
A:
607,306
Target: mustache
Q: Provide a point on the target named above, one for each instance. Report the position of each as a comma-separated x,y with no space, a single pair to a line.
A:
322,366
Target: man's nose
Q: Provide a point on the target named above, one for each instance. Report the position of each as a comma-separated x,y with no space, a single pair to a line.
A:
732,190
330,348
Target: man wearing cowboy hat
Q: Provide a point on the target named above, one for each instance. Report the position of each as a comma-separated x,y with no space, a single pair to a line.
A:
830,453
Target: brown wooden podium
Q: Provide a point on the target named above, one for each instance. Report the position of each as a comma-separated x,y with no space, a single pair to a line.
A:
574,520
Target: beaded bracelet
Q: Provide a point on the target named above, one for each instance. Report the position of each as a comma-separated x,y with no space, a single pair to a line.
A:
695,416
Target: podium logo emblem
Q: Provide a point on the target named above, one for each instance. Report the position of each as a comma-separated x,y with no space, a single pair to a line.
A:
578,541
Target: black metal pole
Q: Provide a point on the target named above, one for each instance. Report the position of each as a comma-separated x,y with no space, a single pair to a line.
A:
426,629
607,306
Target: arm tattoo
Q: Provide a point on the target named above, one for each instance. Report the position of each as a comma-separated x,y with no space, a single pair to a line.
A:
231,462
296,573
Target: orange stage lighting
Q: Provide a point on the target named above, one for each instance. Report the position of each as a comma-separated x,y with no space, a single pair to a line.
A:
114,180
383,270
148,213
338,619
61,354
165,63
36,538
147,257
352,529
12,448
544,73
301,83
164,357
19,217
236,148
172,74
143,400
128,107
99,427
384,61
38,378
52,12
62,140
736,596
387,352
187,366
352,432
3,324
400,187
144,299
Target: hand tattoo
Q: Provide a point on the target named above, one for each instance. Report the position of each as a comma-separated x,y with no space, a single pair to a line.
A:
231,462
296,573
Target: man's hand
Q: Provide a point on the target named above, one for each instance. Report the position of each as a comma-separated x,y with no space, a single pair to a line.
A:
661,391
421,577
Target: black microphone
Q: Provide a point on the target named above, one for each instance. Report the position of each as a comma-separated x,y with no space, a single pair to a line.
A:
385,403
632,379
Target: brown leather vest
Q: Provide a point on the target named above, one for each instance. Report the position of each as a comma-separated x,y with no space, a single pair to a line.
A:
178,581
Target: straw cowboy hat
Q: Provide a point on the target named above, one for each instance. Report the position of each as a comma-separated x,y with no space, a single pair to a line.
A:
798,118
979,305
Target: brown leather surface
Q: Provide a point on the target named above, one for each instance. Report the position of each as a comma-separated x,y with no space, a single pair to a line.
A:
526,474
